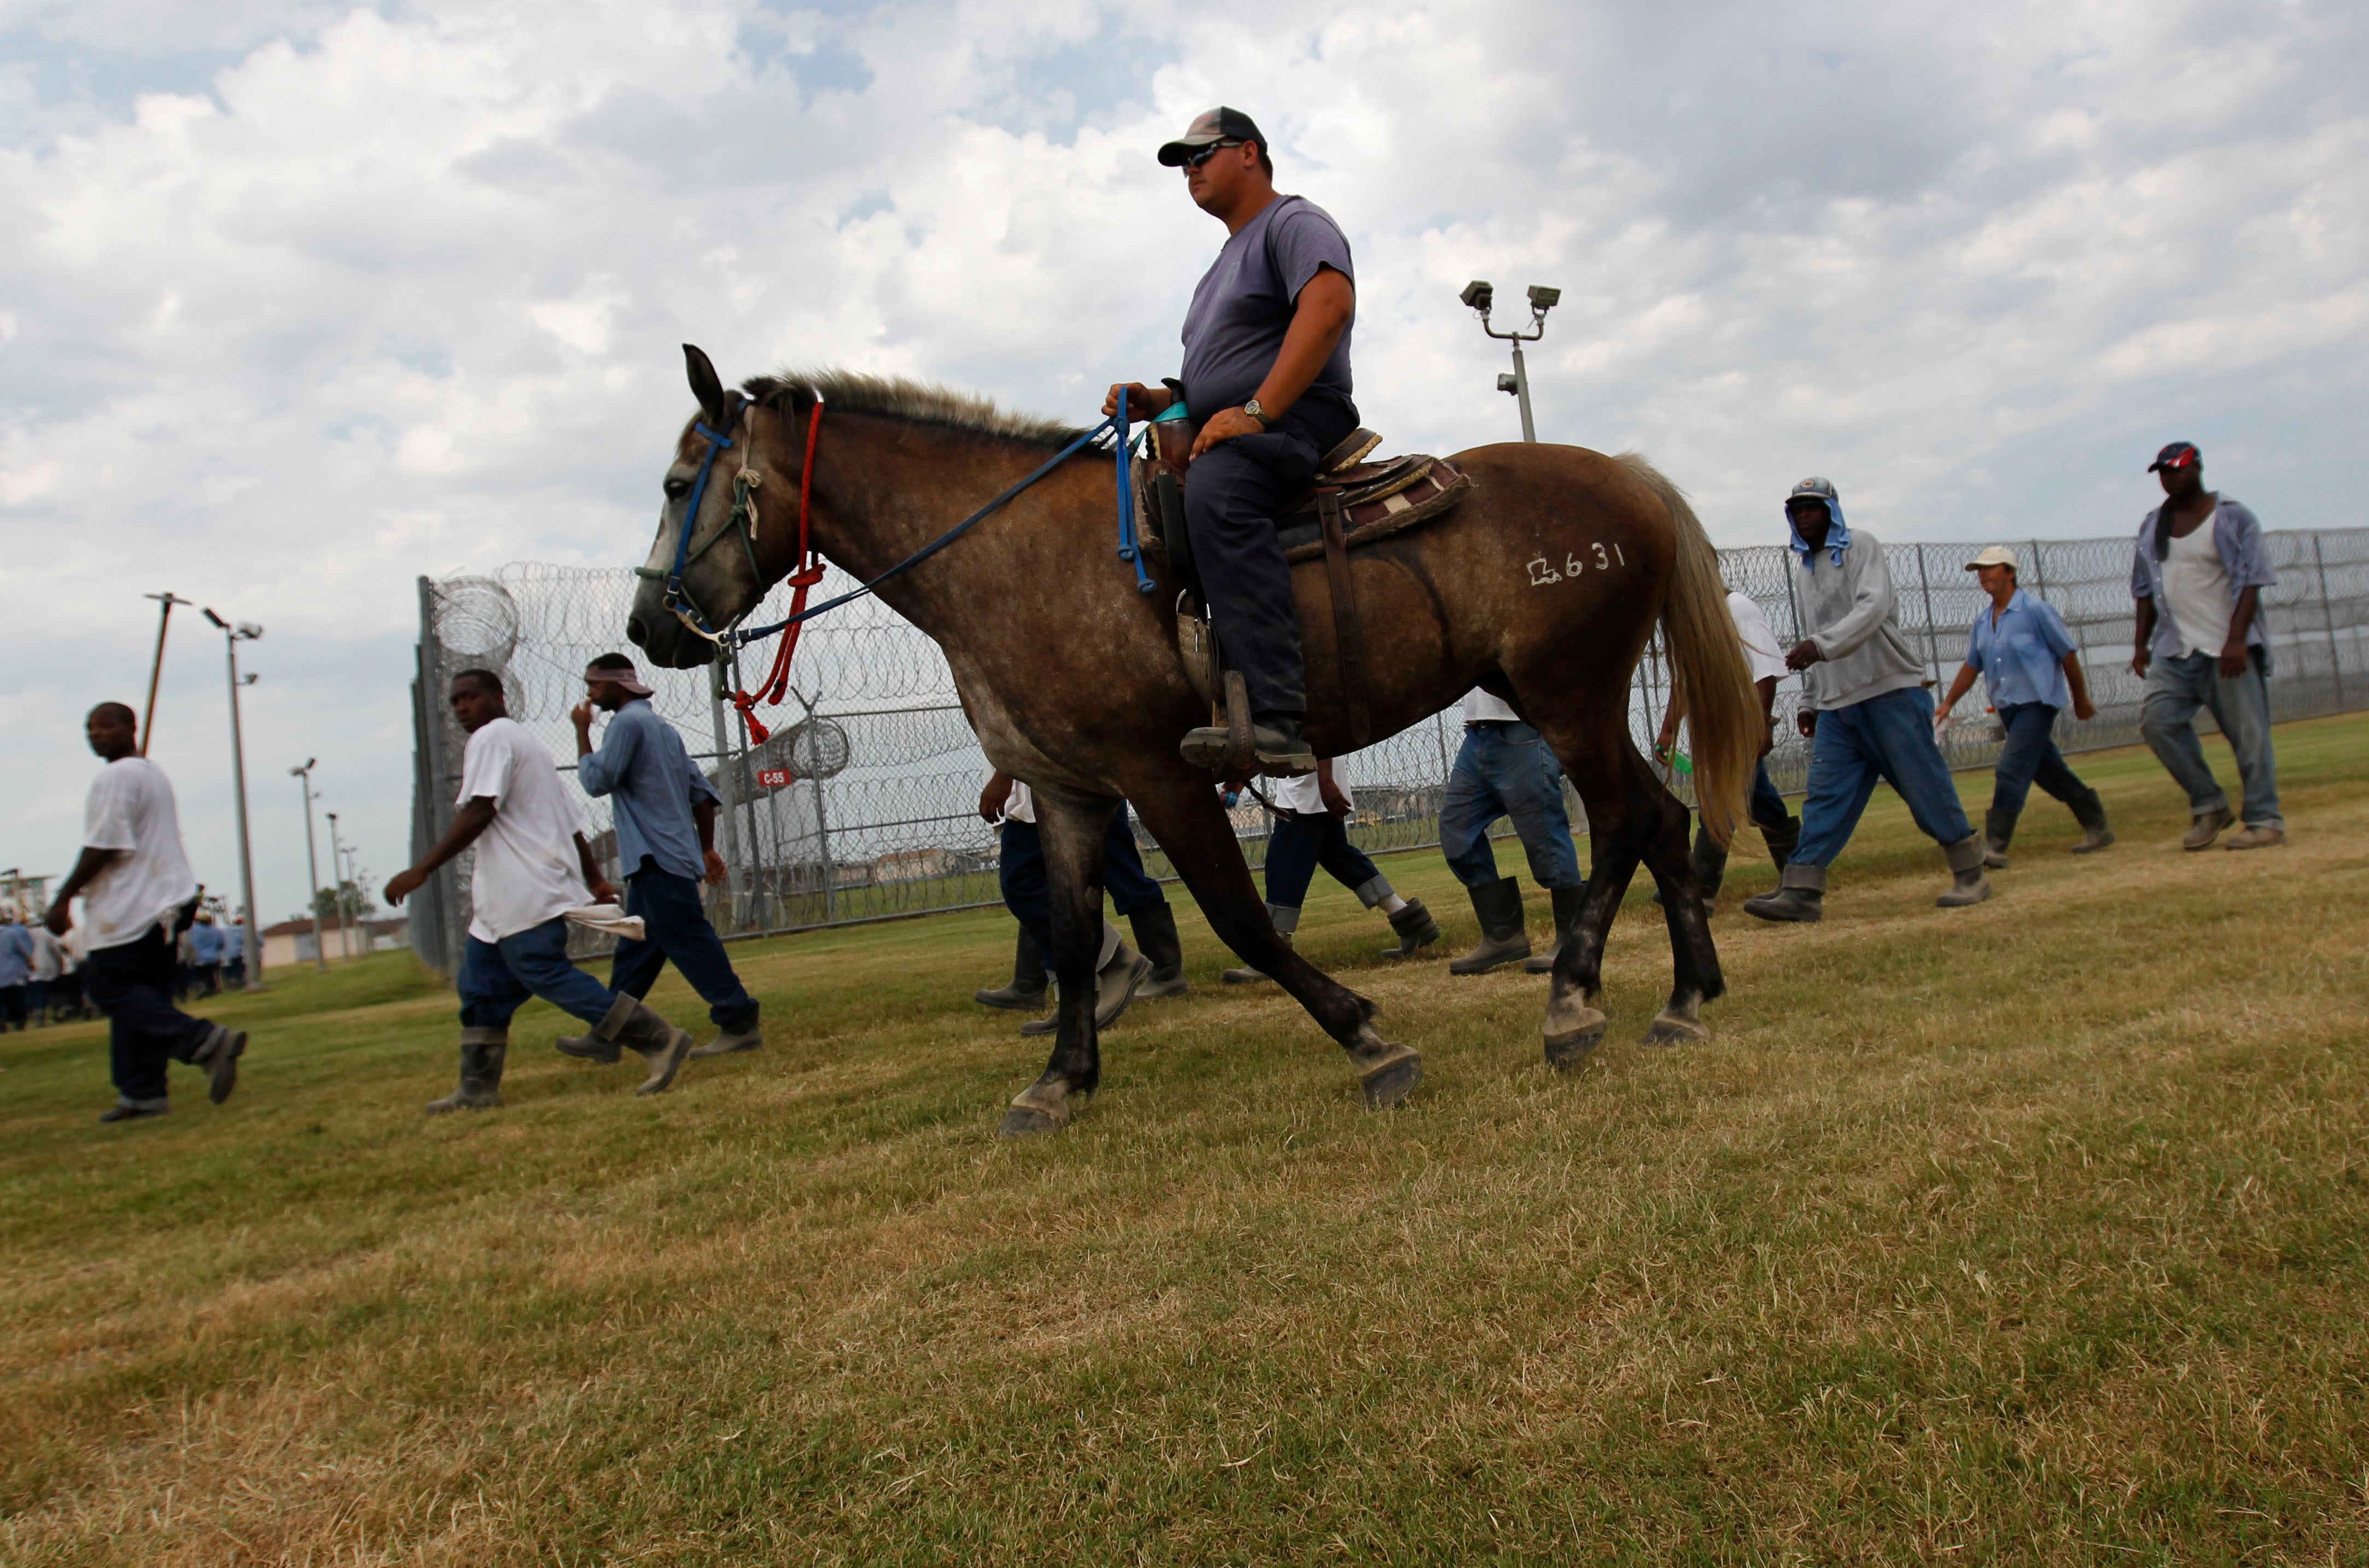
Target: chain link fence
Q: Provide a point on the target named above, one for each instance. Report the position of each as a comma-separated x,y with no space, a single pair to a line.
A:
863,803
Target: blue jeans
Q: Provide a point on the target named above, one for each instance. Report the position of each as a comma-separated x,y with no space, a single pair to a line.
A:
497,977
1888,738
1027,892
2029,758
1504,770
678,930
2176,688
1303,841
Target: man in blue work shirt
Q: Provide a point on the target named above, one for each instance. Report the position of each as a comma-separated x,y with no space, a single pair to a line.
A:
1266,385
2032,674
666,841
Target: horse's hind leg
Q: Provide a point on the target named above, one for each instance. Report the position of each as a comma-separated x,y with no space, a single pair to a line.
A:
1182,812
1072,830
1631,817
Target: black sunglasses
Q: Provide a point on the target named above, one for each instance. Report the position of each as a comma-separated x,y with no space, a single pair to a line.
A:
1195,160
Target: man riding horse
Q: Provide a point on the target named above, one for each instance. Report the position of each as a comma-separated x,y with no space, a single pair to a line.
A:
1266,378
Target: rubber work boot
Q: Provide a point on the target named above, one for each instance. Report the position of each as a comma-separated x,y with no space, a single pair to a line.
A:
1710,869
1966,857
1568,902
1502,939
631,1026
1155,935
1123,972
125,1110
1026,991
2090,812
218,1055
481,1072
1999,828
1800,894
1416,930
2205,829
749,1036
1286,922
1783,841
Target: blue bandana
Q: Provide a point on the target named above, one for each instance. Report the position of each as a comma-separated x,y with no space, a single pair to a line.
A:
1837,534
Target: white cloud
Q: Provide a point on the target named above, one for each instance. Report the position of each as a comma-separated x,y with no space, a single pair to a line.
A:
303,300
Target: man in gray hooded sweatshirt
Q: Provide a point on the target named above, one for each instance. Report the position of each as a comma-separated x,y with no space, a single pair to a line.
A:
1865,709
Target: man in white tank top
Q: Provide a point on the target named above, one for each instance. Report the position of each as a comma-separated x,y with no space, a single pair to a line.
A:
2197,578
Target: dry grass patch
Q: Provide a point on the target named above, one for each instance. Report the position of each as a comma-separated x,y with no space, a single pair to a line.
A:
2031,1233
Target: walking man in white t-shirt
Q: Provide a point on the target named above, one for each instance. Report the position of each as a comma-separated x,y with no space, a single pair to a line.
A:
533,866
136,885
2201,567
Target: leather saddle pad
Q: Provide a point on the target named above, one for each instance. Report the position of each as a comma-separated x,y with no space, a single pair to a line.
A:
1377,499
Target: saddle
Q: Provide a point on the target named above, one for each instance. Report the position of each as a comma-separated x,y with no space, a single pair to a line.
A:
1353,502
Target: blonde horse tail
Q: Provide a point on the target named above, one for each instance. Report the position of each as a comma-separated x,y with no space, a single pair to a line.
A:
1707,671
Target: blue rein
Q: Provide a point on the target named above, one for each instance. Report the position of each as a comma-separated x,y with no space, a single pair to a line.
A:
1130,549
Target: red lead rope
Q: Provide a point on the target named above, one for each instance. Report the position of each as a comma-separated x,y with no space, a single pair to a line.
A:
776,683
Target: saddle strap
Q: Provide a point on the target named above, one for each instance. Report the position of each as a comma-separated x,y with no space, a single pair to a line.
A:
1348,633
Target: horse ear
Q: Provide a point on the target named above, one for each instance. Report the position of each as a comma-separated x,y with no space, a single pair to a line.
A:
706,384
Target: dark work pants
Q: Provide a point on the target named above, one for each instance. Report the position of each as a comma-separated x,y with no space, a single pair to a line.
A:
1302,841
2029,758
132,984
12,1004
1028,892
1766,808
677,924
1232,493
499,978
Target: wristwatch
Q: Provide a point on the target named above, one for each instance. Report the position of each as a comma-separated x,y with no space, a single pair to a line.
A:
1256,412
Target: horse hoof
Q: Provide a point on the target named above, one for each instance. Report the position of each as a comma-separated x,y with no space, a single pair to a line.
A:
1027,1121
1393,1081
1040,1108
1566,1051
1676,1029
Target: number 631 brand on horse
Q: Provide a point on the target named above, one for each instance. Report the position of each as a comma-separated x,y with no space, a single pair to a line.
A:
1541,586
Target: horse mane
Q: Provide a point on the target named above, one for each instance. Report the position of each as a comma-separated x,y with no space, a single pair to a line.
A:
899,397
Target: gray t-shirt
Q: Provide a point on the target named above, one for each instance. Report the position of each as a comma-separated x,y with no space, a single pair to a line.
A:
1245,304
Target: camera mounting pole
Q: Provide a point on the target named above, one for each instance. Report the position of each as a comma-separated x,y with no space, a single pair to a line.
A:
1480,296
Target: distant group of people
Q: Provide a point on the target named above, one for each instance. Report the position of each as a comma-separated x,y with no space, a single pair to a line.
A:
40,975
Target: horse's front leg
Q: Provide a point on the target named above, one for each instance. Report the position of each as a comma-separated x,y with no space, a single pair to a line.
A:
1072,828
1183,814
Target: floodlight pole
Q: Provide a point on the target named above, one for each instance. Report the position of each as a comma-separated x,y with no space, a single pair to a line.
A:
336,877
1481,296
244,632
312,860
156,670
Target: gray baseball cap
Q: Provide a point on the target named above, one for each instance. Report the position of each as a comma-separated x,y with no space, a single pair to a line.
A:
1220,124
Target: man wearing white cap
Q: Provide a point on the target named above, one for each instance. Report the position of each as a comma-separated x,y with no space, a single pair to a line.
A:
2032,674
665,812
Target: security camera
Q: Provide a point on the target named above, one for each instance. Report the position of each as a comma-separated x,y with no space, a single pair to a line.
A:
1477,295
248,631
1543,298
1507,383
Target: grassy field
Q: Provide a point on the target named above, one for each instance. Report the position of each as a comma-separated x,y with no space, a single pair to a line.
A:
2029,1233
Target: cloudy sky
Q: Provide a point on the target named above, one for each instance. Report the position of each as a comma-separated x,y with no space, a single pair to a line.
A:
302,299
